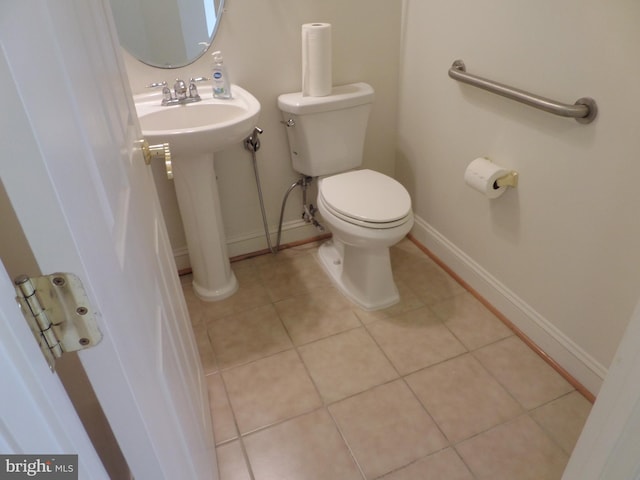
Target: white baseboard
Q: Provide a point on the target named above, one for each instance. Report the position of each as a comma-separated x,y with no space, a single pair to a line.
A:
578,363
181,256
254,242
240,245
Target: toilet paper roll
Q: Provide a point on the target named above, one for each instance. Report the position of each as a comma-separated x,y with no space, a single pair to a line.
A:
316,60
482,173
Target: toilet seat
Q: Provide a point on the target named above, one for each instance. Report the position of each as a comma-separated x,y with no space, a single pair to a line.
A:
366,198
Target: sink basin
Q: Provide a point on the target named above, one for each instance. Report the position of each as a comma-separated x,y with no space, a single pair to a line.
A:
207,126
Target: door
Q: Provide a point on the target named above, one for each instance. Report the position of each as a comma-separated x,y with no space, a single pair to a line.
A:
609,446
87,205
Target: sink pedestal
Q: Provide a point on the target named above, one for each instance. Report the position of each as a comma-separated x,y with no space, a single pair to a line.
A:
194,132
197,192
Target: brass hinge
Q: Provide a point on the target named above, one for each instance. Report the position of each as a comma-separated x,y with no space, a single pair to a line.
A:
57,309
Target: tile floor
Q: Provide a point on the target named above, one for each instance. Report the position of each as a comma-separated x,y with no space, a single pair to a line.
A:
306,386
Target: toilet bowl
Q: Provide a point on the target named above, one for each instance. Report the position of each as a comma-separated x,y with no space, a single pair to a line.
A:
367,212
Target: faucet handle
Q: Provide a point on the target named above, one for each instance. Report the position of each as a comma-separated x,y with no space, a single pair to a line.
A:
157,84
166,93
193,91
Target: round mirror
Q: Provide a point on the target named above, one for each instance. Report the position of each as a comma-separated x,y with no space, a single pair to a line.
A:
167,33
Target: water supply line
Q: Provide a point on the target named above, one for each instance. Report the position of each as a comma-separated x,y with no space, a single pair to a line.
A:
252,143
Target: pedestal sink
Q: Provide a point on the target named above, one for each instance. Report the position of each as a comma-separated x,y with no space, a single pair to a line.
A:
195,132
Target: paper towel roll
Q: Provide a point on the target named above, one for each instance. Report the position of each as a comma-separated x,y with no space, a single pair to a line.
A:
482,173
316,60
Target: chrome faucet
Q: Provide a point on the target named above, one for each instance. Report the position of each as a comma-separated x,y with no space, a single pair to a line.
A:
181,93
180,88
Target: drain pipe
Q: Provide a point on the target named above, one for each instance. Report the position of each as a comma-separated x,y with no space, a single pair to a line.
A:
252,143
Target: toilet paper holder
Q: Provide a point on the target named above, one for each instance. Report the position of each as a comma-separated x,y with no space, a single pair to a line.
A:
508,180
488,178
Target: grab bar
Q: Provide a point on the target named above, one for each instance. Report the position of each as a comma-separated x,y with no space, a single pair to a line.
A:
584,110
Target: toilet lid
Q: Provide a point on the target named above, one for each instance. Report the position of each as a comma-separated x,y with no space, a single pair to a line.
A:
366,196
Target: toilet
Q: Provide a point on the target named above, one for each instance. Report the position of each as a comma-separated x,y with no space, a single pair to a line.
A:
366,211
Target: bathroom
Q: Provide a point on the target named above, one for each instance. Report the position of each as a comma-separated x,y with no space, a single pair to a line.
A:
543,253
547,246
557,254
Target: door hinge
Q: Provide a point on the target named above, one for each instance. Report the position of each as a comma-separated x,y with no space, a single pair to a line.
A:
57,310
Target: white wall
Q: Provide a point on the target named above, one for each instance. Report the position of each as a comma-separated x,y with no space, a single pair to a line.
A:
261,46
560,254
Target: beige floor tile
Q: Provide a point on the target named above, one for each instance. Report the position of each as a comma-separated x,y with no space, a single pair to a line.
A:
444,465
308,447
270,390
470,321
408,300
194,304
293,275
224,425
386,428
207,356
231,462
367,317
564,418
346,363
462,397
415,340
406,253
516,450
316,315
246,271
430,283
250,294
247,336
522,372
250,341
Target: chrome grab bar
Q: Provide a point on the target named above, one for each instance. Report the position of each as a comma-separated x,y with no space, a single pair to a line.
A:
584,110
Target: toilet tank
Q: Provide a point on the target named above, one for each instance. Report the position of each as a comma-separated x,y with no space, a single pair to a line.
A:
326,134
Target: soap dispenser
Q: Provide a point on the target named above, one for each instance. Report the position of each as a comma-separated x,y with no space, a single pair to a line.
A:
220,78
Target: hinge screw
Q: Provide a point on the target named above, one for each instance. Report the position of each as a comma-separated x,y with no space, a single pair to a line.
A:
58,281
81,310
84,341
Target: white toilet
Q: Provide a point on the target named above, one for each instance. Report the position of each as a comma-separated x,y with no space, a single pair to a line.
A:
366,211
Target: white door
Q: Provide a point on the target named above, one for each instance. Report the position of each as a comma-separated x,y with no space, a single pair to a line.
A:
87,205
609,447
